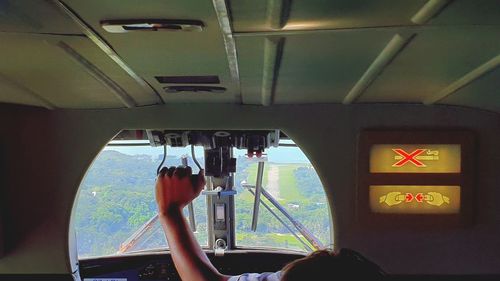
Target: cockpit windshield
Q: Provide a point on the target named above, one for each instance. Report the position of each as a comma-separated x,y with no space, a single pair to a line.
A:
116,211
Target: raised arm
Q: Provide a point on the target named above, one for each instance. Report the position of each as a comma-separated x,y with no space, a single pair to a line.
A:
175,188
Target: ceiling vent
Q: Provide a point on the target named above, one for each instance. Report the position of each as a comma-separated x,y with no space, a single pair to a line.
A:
123,26
210,79
196,89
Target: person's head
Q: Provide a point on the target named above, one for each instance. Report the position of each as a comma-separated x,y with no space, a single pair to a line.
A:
330,265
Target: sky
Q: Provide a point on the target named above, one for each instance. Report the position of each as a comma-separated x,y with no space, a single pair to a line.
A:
275,155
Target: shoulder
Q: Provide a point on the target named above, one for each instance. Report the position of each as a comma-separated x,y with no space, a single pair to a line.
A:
267,276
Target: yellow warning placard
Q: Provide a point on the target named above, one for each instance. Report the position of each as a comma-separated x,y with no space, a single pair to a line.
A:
415,199
415,158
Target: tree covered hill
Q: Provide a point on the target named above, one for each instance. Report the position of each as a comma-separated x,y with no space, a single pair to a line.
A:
117,197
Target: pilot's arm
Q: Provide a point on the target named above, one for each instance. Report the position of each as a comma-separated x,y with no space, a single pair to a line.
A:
175,188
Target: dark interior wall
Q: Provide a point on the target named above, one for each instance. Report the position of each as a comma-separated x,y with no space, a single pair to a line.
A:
48,152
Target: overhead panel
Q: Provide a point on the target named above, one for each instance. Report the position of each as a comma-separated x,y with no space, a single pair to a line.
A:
482,93
434,59
288,52
384,58
164,53
317,63
12,92
315,68
101,61
43,69
251,63
253,15
467,12
323,68
28,16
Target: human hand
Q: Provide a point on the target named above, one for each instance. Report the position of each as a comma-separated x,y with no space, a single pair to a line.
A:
392,198
176,187
436,199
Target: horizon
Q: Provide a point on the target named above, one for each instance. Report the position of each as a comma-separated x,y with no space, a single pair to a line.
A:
274,155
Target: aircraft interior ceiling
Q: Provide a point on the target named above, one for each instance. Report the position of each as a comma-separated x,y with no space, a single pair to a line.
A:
58,54
74,74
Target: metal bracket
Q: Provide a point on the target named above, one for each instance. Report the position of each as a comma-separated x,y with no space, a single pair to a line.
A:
256,202
192,222
220,247
219,192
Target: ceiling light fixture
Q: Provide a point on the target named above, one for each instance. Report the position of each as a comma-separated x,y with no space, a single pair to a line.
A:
124,26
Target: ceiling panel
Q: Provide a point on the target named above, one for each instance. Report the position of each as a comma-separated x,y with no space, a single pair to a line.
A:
251,63
468,12
152,54
252,15
99,59
315,68
35,62
326,48
482,93
31,16
434,59
199,97
11,92
323,68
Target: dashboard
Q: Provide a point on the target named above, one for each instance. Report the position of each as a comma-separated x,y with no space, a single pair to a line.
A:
159,265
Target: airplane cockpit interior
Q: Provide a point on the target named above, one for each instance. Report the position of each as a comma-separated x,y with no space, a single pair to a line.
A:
307,128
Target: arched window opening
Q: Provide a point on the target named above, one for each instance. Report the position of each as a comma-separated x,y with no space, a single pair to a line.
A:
116,209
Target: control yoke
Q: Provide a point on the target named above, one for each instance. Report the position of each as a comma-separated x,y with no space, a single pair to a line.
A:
219,165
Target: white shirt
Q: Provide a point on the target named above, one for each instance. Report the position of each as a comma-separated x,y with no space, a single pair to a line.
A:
267,276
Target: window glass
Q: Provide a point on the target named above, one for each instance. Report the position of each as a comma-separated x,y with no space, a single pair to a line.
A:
116,206
115,210
292,181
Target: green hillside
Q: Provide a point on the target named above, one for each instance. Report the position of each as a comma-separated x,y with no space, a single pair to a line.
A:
116,198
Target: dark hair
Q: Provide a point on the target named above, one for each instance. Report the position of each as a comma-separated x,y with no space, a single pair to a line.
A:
330,265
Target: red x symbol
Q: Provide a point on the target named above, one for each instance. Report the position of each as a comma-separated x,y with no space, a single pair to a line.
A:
409,157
